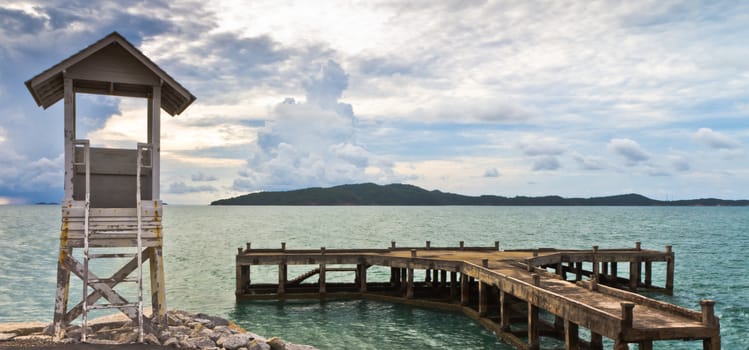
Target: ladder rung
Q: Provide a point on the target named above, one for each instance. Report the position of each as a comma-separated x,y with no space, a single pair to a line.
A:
111,306
113,232
112,255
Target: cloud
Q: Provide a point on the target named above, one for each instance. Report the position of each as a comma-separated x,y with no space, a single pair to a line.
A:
546,163
180,187
590,163
541,146
714,139
680,163
312,143
491,172
629,150
202,177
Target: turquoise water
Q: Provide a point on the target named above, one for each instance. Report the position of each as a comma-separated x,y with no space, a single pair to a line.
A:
200,242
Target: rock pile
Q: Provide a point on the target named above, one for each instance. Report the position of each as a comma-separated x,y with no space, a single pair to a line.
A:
184,330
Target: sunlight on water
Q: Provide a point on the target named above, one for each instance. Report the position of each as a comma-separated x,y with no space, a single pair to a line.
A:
201,241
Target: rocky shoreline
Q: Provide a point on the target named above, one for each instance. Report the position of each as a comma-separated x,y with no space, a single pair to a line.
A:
185,330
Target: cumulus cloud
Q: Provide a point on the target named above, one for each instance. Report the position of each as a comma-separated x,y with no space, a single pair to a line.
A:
491,172
590,163
312,143
629,150
546,163
714,139
202,177
680,163
180,187
542,146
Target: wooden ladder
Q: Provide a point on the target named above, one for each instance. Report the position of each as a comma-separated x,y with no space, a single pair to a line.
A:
133,310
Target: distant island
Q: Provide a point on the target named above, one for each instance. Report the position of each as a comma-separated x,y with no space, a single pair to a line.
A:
402,194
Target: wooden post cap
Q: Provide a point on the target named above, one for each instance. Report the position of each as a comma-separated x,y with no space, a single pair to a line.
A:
668,248
239,250
638,245
249,246
627,314
595,249
429,244
496,245
392,244
322,250
462,244
283,245
708,312
413,253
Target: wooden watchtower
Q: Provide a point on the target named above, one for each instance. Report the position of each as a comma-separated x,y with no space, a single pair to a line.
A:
111,195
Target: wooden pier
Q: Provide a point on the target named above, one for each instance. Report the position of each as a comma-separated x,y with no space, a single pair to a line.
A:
514,293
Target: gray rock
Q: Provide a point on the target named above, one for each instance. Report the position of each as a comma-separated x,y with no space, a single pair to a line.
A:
258,337
236,341
203,343
276,343
164,335
6,336
151,339
217,321
173,342
127,337
258,345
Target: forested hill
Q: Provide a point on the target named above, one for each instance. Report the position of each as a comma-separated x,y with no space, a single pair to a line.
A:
400,194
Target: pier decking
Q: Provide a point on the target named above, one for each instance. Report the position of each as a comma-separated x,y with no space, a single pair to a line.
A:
514,293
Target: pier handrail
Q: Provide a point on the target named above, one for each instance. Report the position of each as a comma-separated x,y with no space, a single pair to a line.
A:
541,290
639,299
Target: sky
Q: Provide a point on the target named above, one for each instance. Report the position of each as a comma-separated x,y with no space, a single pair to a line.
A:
570,98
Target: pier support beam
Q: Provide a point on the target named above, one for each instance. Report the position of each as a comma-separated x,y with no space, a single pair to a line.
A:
634,275
596,341
648,274
504,311
464,290
453,285
323,288
669,270
282,277
708,319
243,278
533,331
395,275
483,298
362,272
410,284
571,336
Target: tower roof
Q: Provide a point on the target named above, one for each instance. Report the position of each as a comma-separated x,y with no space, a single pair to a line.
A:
110,66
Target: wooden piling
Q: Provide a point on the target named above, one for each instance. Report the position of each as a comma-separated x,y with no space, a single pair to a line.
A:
410,283
571,336
282,277
483,298
504,311
362,270
323,288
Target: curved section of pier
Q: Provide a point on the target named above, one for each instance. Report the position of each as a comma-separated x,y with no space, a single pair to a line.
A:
506,291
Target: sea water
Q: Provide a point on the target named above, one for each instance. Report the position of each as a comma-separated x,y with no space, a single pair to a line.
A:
710,244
